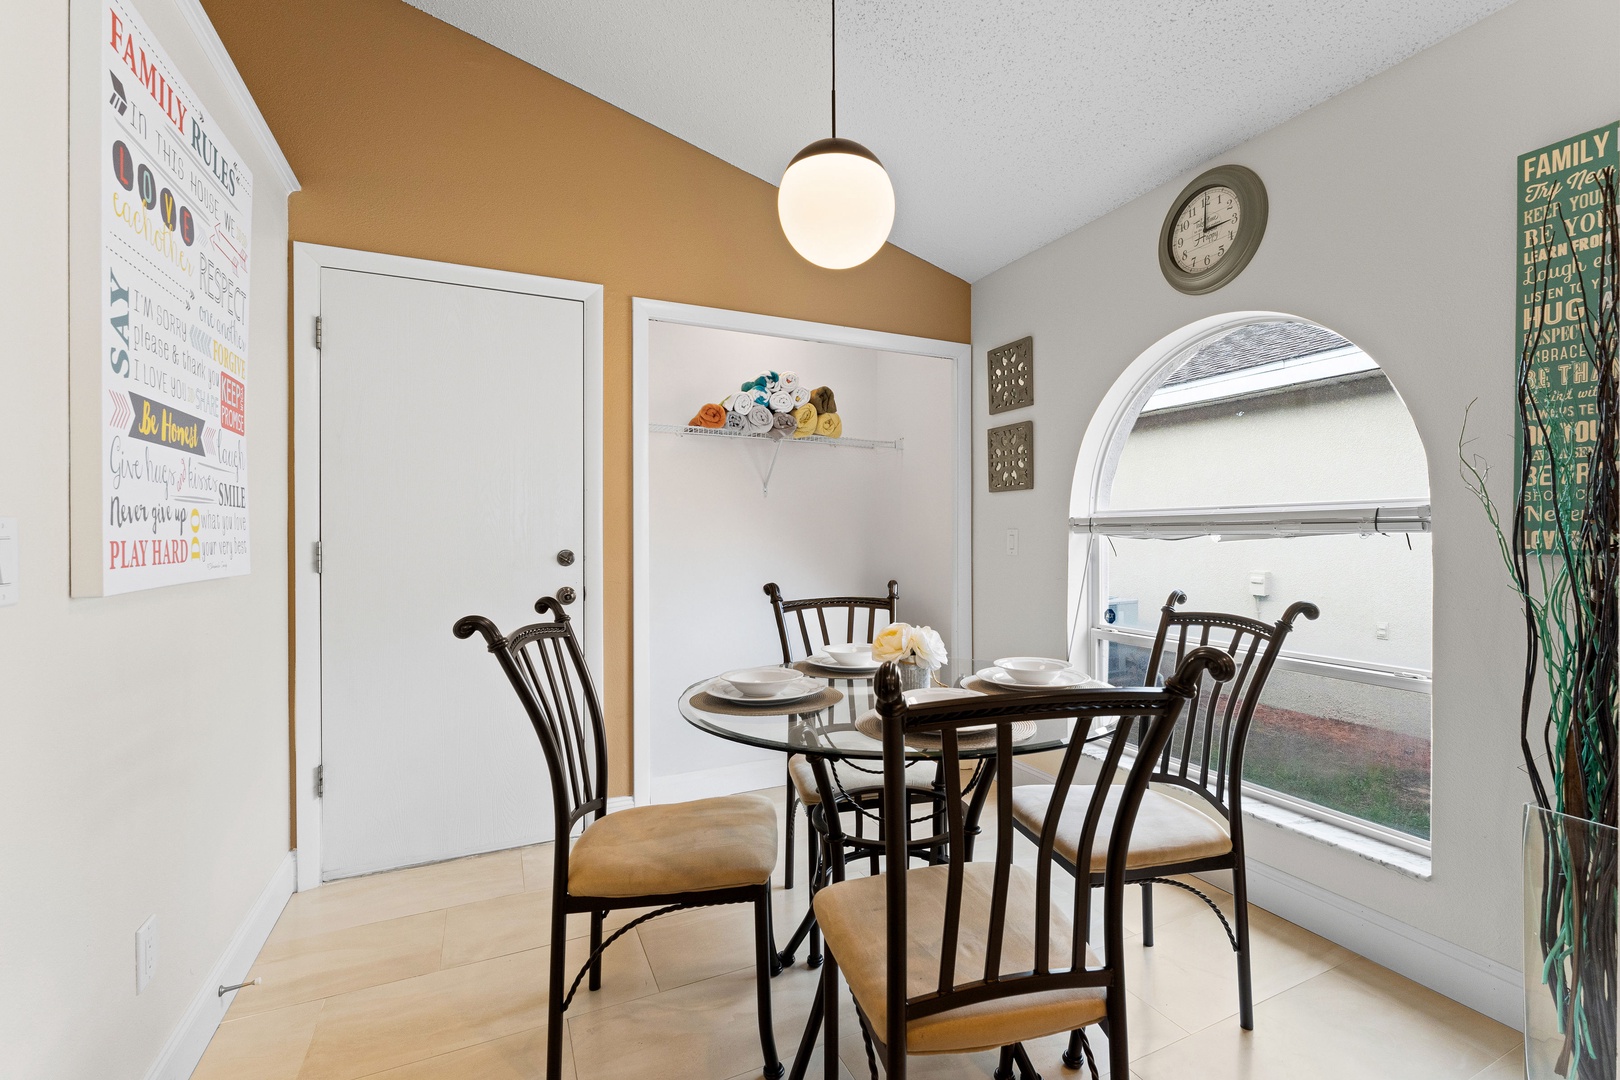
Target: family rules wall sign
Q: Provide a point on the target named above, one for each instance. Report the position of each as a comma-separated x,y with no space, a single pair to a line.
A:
162,208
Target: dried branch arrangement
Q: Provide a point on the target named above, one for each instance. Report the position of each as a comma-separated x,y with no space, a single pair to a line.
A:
1566,582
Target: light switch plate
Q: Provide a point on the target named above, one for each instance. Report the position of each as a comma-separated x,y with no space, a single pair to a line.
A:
145,953
8,561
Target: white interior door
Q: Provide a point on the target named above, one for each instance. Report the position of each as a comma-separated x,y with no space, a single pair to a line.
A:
452,475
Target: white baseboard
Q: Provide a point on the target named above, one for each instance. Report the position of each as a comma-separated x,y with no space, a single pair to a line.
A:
1476,981
180,1055
616,803
725,780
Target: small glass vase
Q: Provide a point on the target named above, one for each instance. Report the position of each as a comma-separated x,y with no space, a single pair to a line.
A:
1570,942
914,674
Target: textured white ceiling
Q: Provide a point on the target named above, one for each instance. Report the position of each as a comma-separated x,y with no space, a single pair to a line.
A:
1005,124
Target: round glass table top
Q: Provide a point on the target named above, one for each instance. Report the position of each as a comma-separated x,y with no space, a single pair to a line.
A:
831,732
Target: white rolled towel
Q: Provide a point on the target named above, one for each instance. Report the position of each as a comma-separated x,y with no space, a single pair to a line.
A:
790,381
801,395
740,403
759,418
781,402
735,423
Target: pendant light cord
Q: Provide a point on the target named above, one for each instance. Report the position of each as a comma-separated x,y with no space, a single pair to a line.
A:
834,5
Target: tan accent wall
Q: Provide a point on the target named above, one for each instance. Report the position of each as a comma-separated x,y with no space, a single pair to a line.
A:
413,138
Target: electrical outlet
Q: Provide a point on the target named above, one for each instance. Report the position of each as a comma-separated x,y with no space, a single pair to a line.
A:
1382,631
145,953
1260,584
1012,541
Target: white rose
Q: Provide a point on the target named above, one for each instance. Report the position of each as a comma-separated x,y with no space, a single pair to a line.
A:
926,645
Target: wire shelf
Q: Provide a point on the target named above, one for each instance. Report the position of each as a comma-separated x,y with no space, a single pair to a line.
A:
808,440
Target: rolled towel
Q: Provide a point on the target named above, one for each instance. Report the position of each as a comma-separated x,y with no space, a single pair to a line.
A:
710,416
781,402
801,396
829,426
783,425
736,423
822,398
740,403
759,418
805,421
790,381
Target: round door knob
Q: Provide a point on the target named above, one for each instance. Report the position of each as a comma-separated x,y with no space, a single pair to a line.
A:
565,557
566,594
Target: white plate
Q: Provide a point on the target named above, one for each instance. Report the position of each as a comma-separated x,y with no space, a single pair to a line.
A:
821,659
930,694
1073,679
797,690
1049,664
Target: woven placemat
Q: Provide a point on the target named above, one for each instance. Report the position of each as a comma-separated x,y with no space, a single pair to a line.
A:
710,703
818,671
870,724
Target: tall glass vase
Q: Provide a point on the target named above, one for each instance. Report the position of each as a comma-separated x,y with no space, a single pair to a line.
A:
1571,941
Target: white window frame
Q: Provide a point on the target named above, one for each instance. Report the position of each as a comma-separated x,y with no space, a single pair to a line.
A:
1111,425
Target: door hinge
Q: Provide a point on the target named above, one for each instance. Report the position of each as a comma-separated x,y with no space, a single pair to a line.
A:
318,560
317,331
320,781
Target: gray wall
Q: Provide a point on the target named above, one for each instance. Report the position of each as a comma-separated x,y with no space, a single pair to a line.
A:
1392,223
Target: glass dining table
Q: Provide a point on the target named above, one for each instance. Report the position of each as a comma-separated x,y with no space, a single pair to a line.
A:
838,727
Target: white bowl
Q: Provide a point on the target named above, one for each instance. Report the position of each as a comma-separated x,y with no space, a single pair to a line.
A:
760,682
1033,670
858,654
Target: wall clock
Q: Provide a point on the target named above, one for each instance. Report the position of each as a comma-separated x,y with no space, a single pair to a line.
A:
1213,229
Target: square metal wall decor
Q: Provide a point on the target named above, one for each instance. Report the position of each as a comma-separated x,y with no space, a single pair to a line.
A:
1012,375
1012,457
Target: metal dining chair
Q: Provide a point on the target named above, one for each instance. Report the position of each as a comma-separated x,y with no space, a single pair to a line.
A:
1203,757
856,618
672,856
963,956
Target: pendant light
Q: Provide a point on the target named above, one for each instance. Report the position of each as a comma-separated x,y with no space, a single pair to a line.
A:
836,203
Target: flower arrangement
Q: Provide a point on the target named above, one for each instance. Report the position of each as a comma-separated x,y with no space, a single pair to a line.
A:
919,645
777,406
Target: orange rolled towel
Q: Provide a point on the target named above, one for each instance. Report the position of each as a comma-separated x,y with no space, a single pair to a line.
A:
712,416
829,426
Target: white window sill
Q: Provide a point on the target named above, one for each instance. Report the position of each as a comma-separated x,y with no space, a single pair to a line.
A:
1388,855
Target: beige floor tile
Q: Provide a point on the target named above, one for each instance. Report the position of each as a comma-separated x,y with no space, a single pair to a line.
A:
506,924
537,867
1342,1023
690,946
703,1031
1190,973
1510,1066
268,1046
384,1027
516,1057
316,966
394,895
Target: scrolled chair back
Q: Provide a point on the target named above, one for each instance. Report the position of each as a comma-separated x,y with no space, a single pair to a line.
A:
1045,966
1204,754
546,667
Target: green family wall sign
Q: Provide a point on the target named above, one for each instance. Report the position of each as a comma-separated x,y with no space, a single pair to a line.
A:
1561,225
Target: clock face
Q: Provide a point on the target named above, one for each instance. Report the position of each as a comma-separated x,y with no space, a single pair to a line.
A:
1205,229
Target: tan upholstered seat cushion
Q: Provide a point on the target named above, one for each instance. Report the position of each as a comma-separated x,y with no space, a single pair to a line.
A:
919,777
853,921
682,847
1167,830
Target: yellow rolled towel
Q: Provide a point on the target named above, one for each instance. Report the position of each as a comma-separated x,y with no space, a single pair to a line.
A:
806,417
829,426
710,416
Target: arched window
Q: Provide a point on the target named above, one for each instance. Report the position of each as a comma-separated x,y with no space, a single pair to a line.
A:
1251,461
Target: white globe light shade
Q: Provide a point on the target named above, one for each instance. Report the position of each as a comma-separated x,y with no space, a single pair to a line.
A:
836,204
